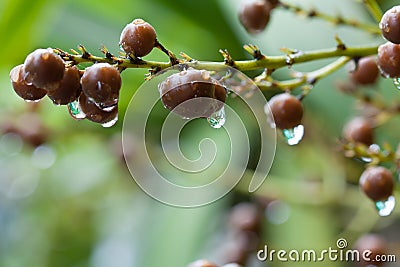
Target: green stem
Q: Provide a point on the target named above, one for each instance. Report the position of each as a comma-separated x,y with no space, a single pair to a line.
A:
337,20
305,78
374,9
270,62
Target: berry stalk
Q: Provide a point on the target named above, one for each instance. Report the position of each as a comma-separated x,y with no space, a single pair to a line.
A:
270,62
335,20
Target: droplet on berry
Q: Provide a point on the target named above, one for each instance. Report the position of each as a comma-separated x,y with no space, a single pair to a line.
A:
359,130
101,83
138,38
44,69
192,94
390,25
28,92
254,15
294,135
217,119
69,88
75,110
389,59
366,72
386,207
377,183
95,114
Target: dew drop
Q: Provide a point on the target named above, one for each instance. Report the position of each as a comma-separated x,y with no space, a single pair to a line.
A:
217,119
293,136
396,82
385,207
111,122
75,110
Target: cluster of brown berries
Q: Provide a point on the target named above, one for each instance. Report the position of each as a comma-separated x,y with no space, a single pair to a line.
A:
389,53
92,93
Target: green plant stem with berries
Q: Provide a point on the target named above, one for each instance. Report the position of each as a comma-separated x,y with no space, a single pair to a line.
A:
96,88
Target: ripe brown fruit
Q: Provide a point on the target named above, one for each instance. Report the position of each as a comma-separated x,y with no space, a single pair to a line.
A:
377,183
390,25
254,15
359,130
207,95
44,69
27,91
138,38
69,88
389,59
366,72
287,110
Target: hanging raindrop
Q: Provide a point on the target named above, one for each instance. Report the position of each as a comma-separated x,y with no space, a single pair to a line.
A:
111,122
217,119
385,207
294,135
75,110
396,82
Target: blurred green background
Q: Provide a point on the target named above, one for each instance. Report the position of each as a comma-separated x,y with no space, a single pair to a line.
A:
72,202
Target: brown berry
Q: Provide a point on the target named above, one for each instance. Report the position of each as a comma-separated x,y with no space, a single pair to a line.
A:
287,110
254,15
69,88
377,183
44,69
366,72
359,130
206,93
94,113
389,59
245,216
27,91
375,244
101,83
390,25
138,38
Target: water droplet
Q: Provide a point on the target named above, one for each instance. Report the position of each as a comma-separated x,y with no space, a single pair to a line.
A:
385,207
293,136
75,110
396,82
217,119
111,122
32,101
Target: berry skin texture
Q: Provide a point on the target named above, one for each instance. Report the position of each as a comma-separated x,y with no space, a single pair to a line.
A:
359,130
192,84
287,110
377,183
138,38
44,69
389,59
94,113
27,91
390,25
367,71
69,88
254,15
101,83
